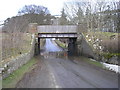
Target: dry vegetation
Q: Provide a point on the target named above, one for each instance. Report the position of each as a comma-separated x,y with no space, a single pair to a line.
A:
14,37
103,42
110,45
0,46
14,44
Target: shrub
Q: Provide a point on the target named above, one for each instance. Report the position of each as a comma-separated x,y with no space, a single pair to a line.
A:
110,45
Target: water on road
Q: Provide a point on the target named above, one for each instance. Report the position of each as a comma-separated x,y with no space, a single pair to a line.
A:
55,70
50,47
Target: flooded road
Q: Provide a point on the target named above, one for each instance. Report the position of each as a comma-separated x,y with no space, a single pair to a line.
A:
56,70
51,46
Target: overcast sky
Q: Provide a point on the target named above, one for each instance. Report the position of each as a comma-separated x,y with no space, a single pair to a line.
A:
9,8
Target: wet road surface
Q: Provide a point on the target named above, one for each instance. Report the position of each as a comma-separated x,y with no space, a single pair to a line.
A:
51,71
50,47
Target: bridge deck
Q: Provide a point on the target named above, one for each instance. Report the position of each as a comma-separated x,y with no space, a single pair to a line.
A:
57,29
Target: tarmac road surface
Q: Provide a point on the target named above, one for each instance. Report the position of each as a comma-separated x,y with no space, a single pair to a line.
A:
54,72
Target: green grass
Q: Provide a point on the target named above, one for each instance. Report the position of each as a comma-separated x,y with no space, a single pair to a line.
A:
109,55
96,63
15,50
60,44
0,82
17,75
100,35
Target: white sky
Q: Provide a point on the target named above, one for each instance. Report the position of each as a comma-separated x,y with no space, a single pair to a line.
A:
9,8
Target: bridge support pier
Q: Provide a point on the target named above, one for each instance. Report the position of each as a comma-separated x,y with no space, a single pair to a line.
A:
38,45
72,46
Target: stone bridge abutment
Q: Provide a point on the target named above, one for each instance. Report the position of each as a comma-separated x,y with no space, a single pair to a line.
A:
77,44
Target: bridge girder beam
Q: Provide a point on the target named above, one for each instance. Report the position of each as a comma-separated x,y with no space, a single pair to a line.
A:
38,45
72,46
57,35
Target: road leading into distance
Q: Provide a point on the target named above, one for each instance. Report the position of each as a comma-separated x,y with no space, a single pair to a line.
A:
52,71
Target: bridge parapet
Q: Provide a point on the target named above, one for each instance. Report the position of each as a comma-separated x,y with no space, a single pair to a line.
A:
34,28
57,29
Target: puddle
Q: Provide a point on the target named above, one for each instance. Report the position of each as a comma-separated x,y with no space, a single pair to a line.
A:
55,54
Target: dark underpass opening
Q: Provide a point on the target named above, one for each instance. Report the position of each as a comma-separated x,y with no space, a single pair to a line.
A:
52,45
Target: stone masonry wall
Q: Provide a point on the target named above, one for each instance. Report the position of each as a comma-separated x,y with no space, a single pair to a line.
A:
19,61
83,47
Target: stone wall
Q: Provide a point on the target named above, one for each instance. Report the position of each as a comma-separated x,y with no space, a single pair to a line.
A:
83,47
19,61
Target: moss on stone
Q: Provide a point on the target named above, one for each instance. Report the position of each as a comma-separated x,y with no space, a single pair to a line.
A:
12,79
109,55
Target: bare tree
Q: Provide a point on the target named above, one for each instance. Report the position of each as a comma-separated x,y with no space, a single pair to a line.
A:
12,42
33,9
15,29
75,11
95,14
63,20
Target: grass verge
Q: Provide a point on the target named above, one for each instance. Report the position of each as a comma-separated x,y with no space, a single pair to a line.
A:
110,55
96,63
12,79
62,45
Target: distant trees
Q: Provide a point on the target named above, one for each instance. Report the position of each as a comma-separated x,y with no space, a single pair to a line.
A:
79,15
15,24
28,14
36,14
63,18
33,9
15,28
100,15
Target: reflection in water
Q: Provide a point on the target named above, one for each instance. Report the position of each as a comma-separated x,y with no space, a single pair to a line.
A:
61,54
51,46
52,50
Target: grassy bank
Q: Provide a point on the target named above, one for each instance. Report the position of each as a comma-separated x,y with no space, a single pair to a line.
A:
110,55
14,46
103,43
17,75
61,44
88,60
104,39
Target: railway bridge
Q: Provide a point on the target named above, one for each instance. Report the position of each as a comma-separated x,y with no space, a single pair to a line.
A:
60,31
77,44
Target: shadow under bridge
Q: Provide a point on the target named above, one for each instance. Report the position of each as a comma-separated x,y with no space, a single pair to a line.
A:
59,31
